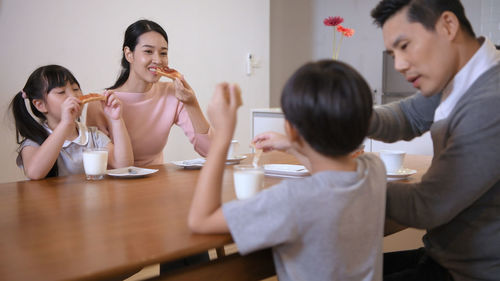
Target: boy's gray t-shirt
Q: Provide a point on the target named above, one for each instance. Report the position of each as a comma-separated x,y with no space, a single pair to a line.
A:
328,226
70,159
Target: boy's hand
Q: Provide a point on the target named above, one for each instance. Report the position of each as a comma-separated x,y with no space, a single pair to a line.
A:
112,106
223,107
269,141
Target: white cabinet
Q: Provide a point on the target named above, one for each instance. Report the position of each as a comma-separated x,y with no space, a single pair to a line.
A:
272,119
267,119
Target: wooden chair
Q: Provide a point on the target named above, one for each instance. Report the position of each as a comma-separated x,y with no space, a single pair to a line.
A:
252,267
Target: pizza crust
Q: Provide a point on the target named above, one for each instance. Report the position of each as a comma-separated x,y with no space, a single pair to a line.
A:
169,72
91,97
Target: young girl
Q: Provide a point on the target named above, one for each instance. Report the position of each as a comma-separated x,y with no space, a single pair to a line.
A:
52,146
152,107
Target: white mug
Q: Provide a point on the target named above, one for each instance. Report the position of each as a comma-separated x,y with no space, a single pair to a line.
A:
393,160
231,151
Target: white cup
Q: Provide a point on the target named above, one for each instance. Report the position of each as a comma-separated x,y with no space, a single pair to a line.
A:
248,180
393,160
231,151
95,162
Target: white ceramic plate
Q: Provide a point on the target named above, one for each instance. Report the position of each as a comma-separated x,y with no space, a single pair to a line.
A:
401,174
236,159
130,172
283,176
286,170
197,163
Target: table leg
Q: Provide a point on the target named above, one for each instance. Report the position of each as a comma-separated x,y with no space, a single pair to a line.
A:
220,252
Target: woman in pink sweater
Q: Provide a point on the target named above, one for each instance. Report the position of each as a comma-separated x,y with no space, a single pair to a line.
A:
150,107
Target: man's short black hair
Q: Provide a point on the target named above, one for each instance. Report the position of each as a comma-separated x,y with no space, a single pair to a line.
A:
330,104
426,12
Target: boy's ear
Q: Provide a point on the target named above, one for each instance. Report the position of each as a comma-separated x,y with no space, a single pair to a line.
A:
40,105
292,133
129,55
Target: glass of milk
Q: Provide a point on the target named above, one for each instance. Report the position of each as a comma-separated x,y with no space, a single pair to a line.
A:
95,162
248,180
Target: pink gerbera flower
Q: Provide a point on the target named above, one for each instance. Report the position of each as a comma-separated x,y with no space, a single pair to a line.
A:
333,21
348,32
345,32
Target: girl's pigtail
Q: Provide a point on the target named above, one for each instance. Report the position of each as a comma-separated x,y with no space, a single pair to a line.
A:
27,127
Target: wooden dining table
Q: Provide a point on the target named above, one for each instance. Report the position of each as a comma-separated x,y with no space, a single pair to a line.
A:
69,228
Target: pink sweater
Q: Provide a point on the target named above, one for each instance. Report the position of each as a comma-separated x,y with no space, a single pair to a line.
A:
149,117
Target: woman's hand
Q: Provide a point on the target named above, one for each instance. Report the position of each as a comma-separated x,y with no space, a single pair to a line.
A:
112,106
183,92
269,141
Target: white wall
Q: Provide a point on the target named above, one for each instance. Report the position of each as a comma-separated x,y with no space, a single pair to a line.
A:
364,50
291,41
298,35
209,41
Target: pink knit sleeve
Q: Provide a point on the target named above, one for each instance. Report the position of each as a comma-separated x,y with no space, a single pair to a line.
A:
201,142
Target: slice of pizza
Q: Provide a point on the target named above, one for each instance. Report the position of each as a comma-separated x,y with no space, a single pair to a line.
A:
91,97
168,72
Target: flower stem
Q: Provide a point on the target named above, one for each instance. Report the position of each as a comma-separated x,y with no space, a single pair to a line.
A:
334,44
338,49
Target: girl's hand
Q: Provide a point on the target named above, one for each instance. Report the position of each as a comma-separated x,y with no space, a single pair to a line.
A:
223,107
112,106
269,141
183,91
70,110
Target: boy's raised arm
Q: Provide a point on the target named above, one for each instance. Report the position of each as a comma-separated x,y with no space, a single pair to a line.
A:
205,215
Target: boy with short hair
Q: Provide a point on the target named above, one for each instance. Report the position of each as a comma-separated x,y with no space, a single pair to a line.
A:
328,226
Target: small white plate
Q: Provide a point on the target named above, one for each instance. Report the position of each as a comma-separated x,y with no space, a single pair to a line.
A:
401,174
130,172
286,170
284,176
196,163
236,159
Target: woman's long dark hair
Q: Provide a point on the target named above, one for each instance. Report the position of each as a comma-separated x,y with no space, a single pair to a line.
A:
39,84
130,40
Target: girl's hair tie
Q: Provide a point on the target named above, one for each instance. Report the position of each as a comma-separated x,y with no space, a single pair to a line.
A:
23,94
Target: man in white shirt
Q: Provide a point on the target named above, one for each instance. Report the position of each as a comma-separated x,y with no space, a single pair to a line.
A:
458,199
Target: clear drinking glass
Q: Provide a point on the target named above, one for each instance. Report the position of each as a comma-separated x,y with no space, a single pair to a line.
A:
248,180
95,162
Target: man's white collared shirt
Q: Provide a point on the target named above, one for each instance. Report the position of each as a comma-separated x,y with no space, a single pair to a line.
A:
485,58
